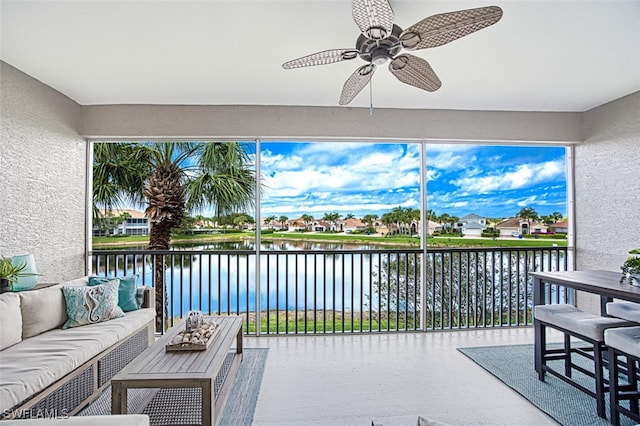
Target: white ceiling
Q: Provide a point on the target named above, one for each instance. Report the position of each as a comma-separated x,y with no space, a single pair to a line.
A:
544,55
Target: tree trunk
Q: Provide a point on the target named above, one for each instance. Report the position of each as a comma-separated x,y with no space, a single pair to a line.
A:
162,310
159,239
165,195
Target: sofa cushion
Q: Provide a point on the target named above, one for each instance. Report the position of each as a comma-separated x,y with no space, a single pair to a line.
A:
10,320
42,310
126,290
90,305
38,362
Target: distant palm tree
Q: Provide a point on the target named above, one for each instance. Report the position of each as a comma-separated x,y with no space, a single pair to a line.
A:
307,219
444,219
369,219
172,178
269,221
283,220
528,214
332,218
453,220
547,219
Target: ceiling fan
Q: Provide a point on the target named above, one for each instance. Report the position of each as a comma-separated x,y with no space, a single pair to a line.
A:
382,40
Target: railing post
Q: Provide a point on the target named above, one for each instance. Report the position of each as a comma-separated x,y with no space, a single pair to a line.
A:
258,245
424,236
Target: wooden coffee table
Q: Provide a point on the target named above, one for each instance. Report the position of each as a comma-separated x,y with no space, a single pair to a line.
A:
156,368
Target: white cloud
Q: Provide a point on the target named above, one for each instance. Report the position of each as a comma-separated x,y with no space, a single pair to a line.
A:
460,204
289,162
363,168
527,201
446,161
522,176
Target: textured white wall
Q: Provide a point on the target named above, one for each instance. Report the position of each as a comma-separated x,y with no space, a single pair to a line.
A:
607,178
607,186
42,176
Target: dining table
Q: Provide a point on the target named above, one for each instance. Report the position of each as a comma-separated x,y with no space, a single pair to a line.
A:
605,284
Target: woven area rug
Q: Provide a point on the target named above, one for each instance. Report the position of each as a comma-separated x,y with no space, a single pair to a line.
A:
182,406
513,365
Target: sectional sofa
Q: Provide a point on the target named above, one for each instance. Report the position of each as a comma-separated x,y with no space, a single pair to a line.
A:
51,371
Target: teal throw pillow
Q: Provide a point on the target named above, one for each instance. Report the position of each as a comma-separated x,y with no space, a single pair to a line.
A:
140,296
126,291
91,305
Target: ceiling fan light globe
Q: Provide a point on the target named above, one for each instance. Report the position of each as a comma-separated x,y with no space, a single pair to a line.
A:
379,56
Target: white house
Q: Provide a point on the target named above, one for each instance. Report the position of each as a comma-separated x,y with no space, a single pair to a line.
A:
135,223
472,225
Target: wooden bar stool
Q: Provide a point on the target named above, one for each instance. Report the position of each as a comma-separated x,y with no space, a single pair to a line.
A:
585,326
623,342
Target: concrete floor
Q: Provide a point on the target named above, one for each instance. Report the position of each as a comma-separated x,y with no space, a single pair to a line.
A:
389,379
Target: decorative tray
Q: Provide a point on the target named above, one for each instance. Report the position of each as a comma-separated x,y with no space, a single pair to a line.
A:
197,340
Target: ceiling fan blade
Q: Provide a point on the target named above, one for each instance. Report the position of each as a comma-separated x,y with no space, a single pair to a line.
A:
356,82
321,58
415,71
373,17
443,28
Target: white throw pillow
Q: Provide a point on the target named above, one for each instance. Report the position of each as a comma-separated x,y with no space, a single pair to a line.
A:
10,320
42,310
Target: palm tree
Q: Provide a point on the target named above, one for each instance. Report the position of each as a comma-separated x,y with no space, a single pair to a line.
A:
547,219
388,219
307,219
413,217
172,178
369,219
269,221
444,218
332,218
283,220
528,214
453,220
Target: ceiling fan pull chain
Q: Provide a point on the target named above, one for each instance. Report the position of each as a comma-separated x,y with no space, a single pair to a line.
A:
370,97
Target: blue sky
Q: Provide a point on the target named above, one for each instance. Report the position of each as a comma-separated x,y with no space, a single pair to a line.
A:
491,181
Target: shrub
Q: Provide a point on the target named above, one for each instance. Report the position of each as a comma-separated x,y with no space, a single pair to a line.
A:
490,234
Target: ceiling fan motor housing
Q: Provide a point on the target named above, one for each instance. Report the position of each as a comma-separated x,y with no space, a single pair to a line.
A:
379,51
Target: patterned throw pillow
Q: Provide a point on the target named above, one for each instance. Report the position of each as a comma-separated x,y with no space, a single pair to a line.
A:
91,305
126,291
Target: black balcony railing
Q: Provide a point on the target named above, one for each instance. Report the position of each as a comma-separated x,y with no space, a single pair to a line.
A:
345,291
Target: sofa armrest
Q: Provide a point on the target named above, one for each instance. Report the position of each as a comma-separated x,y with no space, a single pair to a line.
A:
147,296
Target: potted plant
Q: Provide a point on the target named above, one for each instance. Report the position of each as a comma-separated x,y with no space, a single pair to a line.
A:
9,273
631,268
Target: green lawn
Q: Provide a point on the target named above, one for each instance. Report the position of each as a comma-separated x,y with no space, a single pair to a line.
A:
396,241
